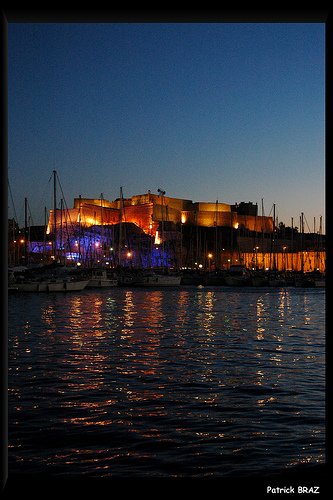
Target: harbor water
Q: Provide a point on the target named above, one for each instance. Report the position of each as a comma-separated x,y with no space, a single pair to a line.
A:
183,381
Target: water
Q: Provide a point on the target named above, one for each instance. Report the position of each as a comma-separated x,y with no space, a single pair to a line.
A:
188,381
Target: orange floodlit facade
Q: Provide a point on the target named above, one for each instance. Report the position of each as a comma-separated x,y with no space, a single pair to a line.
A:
145,211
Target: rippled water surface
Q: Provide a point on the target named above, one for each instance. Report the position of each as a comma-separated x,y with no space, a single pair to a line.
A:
186,381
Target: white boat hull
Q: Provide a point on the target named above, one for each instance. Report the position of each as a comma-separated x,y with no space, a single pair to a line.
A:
72,286
27,287
161,280
101,283
99,279
51,286
57,286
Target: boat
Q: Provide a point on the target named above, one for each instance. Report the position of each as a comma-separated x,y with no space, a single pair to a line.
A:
75,285
258,279
49,285
320,282
192,278
154,279
26,286
238,276
129,278
214,278
313,279
99,279
275,280
53,285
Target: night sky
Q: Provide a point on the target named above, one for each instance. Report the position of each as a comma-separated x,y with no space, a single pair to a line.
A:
234,112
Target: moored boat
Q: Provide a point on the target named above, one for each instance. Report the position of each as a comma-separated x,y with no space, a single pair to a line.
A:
259,280
320,282
192,278
238,276
50,285
55,286
275,281
313,279
99,279
27,287
75,285
154,279
216,278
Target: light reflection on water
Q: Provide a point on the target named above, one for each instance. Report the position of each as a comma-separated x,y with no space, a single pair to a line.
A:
189,381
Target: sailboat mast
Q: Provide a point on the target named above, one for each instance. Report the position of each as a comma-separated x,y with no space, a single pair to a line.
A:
102,230
120,224
45,227
274,262
79,228
55,212
25,229
263,234
217,208
302,244
292,244
162,193
61,252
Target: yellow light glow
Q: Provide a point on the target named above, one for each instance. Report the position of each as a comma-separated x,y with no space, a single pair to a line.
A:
236,226
183,219
89,221
157,239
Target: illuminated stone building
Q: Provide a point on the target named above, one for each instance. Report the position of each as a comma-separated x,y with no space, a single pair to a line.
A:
129,230
145,211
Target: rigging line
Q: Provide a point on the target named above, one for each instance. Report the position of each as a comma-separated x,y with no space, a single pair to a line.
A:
33,227
40,207
63,196
284,212
66,206
30,215
312,234
11,196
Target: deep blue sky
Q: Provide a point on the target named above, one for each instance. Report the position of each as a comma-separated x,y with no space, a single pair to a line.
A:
203,111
